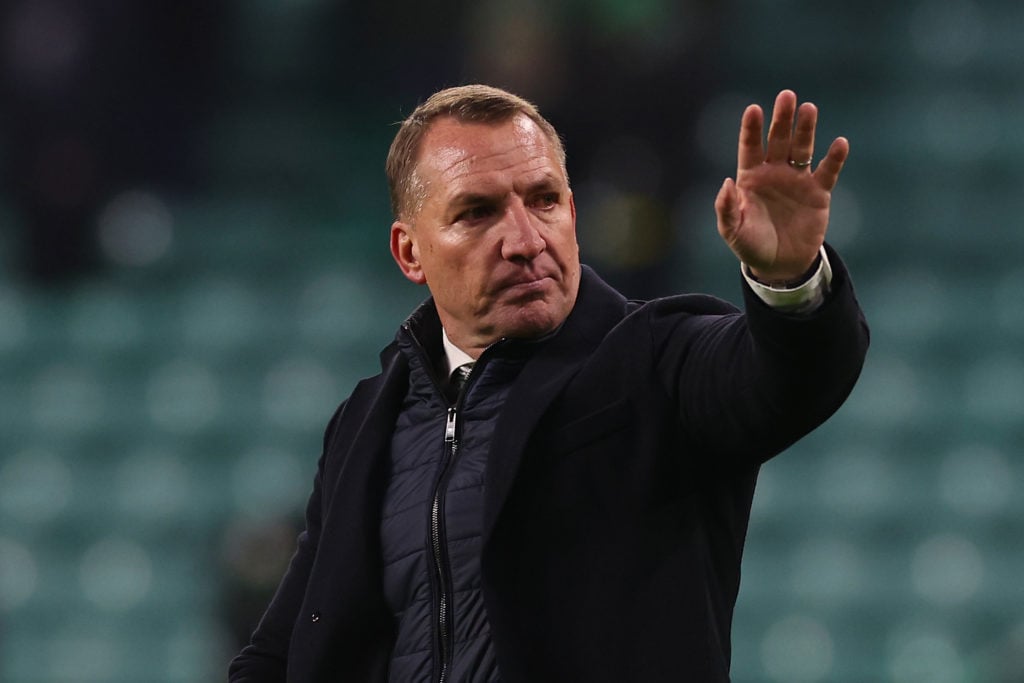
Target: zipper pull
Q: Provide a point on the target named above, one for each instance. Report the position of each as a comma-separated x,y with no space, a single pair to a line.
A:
449,428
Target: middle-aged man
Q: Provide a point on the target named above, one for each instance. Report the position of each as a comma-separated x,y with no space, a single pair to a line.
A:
574,506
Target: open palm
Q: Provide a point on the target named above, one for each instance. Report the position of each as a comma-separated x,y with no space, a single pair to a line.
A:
775,214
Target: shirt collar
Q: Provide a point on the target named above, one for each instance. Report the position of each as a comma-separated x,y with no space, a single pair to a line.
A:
453,354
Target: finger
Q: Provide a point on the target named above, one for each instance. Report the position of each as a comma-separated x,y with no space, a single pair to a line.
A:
751,148
780,133
802,147
727,208
827,173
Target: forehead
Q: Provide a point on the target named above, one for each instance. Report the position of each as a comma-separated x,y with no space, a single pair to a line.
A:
455,153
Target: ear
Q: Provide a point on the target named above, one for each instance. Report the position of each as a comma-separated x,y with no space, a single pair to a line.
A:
406,253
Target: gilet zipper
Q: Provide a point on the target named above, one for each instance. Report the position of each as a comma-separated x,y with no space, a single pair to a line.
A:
441,568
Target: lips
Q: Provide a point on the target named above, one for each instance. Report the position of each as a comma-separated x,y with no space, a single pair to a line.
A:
524,282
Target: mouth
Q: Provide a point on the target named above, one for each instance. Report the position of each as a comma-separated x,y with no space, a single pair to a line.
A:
526,284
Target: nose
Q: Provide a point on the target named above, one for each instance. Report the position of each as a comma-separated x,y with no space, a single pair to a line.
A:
522,240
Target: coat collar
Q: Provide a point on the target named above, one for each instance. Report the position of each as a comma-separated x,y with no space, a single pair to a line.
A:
554,361
598,309
356,484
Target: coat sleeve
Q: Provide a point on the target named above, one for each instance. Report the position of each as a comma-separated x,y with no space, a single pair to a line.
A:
265,658
749,385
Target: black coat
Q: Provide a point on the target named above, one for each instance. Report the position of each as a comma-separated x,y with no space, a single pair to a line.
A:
618,492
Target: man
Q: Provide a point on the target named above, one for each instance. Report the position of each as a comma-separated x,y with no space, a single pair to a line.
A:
575,508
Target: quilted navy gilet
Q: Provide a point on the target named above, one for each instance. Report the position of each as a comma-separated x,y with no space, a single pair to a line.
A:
432,519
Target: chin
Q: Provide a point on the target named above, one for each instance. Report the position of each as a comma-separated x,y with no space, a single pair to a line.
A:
527,324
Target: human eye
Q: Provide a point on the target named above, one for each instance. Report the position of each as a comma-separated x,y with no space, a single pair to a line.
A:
476,213
546,200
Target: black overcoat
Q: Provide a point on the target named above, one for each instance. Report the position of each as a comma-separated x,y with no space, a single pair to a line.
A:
617,493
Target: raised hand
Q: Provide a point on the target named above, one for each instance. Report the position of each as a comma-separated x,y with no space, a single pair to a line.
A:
775,214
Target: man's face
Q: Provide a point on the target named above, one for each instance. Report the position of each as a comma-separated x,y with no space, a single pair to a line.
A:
494,237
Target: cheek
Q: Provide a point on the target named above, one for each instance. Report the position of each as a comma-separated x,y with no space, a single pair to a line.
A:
567,249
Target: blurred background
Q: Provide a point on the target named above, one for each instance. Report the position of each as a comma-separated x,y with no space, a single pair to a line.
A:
194,272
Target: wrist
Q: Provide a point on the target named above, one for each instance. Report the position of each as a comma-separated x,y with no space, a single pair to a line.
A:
786,282
803,298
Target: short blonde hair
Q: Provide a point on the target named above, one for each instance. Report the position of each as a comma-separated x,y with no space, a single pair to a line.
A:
466,104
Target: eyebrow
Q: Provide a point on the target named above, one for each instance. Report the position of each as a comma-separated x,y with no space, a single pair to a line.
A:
547,183
469,198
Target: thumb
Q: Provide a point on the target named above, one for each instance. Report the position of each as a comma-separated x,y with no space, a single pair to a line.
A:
727,206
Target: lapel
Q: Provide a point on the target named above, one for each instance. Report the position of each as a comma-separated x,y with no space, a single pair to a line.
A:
598,309
359,483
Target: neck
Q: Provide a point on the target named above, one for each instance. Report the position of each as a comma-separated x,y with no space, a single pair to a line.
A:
455,355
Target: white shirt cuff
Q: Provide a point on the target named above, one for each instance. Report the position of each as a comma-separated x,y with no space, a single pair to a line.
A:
803,298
